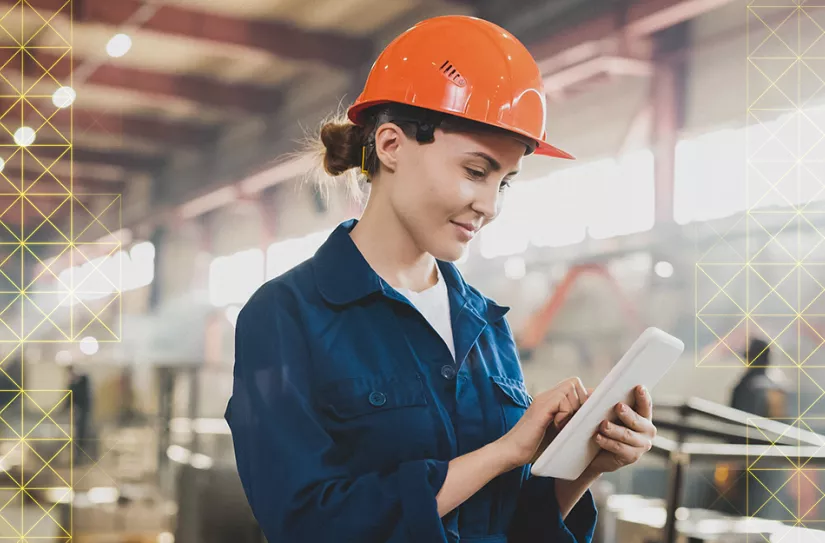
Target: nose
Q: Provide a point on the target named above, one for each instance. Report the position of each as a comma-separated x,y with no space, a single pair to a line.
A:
487,202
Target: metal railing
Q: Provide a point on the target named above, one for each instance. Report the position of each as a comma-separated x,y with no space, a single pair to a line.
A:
745,436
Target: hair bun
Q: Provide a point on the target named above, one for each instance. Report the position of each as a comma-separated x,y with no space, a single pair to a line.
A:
343,143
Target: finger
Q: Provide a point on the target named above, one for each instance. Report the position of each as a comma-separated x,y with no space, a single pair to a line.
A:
580,390
625,435
624,452
564,411
574,400
634,421
644,403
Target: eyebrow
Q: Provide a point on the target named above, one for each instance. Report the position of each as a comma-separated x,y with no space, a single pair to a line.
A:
495,165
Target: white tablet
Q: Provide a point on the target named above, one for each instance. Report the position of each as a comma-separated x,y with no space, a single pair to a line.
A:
645,363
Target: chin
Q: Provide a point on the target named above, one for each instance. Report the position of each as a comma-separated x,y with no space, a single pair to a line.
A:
449,252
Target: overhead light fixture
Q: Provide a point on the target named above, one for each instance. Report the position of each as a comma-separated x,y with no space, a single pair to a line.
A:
89,345
24,136
60,495
178,454
63,97
119,45
200,461
663,269
103,494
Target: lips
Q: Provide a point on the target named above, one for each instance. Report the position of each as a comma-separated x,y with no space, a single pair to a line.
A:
465,231
466,226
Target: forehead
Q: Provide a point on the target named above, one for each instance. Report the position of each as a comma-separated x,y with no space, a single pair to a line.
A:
505,149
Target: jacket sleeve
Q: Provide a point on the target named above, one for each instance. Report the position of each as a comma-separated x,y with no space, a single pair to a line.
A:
538,517
297,489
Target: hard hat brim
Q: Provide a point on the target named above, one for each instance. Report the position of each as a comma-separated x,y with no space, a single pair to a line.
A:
543,148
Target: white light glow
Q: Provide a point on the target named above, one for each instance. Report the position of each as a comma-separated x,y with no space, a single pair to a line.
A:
213,426
103,494
233,279
176,453
89,345
2,164
712,181
232,313
284,255
24,136
605,198
63,358
166,537
201,461
64,97
119,45
515,268
625,202
59,495
103,276
663,269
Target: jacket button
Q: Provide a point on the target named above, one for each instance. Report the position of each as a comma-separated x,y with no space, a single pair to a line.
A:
447,372
378,399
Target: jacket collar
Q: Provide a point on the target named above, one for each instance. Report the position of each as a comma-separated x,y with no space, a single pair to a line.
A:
343,276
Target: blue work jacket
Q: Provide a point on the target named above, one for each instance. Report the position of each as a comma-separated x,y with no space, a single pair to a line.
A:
347,407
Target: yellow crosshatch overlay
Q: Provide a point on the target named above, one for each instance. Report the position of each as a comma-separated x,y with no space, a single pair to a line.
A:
55,242
765,274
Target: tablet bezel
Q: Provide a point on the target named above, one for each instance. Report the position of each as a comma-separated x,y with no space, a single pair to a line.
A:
576,436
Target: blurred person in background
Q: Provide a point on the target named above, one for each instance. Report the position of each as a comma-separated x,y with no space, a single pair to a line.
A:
81,406
377,396
760,391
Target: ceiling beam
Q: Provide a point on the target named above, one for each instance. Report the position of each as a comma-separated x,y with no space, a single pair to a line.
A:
278,38
239,97
593,37
119,126
47,184
30,213
114,157
274,37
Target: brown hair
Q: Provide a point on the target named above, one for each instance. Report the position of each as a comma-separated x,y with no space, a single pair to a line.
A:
347,150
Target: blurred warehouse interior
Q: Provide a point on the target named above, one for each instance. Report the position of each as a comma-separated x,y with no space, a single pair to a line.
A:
183,118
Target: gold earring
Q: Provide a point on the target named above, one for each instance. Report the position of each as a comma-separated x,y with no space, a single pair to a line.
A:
364,160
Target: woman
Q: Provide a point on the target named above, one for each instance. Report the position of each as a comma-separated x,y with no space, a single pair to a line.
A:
377,396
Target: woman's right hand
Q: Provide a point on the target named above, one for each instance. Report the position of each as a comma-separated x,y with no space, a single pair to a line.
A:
547,414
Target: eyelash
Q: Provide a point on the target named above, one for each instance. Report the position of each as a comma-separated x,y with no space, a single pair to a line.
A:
475,174
478,174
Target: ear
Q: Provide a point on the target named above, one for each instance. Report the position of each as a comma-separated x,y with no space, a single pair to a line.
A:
389,138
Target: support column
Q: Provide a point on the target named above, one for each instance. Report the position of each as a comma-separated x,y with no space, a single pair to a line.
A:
668,99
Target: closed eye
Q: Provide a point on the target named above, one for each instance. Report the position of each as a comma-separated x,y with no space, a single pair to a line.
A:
475,174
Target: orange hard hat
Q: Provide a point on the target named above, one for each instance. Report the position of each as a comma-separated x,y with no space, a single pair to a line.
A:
462,66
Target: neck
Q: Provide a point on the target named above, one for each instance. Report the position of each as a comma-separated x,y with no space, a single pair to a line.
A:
391,251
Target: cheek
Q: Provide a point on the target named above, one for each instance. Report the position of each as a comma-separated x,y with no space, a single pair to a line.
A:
439,190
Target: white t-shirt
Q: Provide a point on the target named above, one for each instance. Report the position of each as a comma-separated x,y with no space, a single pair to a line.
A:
434,304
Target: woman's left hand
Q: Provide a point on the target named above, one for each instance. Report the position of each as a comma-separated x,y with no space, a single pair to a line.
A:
623,444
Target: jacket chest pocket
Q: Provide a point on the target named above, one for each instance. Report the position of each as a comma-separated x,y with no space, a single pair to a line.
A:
382,419
514,400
